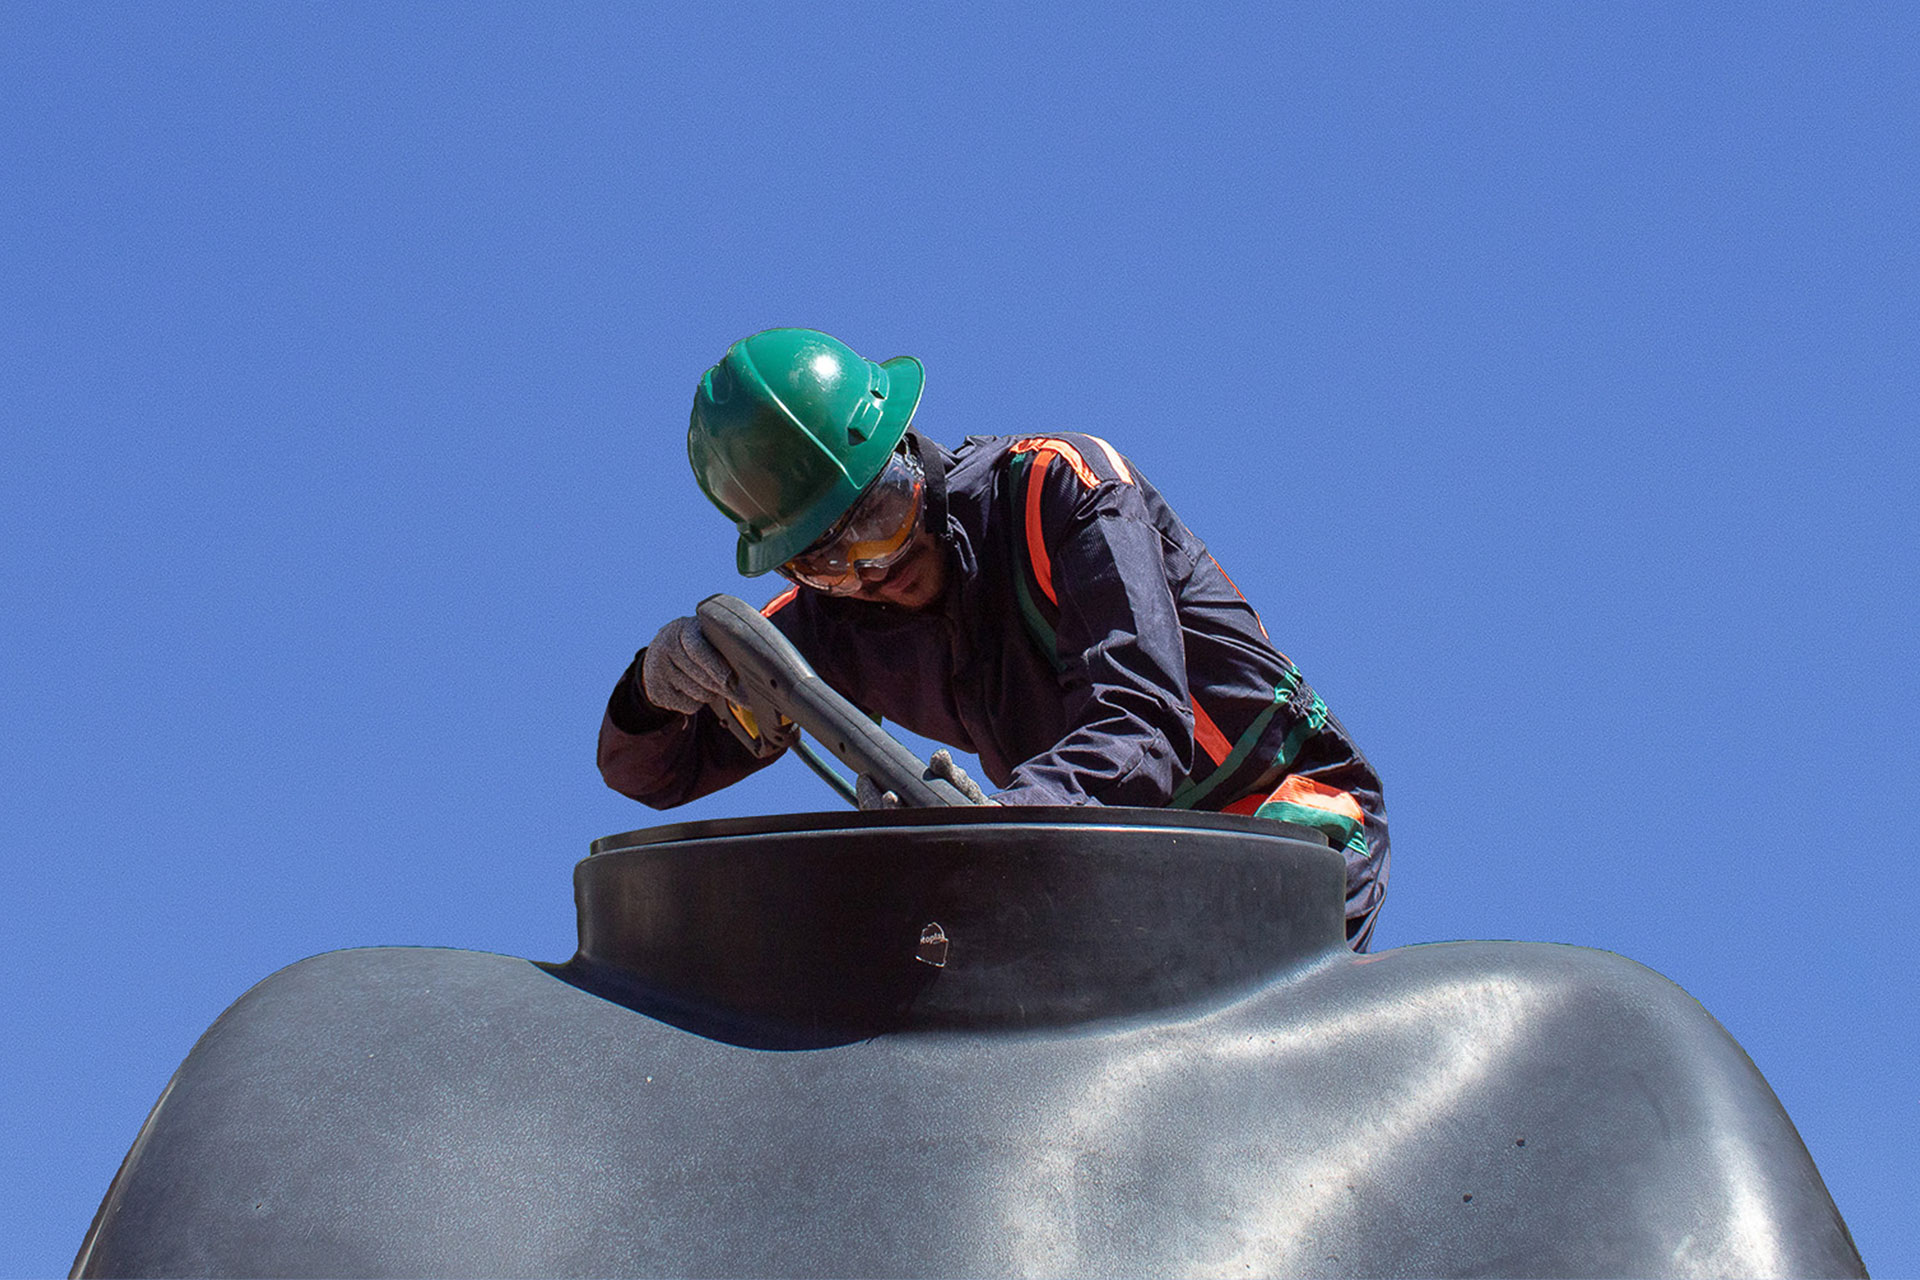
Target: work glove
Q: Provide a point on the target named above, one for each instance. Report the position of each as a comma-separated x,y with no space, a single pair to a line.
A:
942,766
682,672
868,795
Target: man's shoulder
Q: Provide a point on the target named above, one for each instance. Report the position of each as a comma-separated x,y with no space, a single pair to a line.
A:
1089,457
975,450
974,460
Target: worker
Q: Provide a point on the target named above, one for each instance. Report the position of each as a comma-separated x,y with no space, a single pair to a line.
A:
1028,598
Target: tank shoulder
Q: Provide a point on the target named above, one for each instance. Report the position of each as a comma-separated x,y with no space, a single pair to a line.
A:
1575,1107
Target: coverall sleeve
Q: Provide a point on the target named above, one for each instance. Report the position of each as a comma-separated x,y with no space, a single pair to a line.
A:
1130,739
662,758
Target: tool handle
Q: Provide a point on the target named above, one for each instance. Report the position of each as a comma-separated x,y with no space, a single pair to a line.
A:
773,682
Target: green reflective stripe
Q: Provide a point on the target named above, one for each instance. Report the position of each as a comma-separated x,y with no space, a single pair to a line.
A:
1043,635
1341,831
1191,793
1316,720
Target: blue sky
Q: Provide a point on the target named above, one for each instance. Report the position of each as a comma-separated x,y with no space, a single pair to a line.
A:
1545,373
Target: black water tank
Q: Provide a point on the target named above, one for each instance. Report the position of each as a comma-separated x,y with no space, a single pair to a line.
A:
939,1042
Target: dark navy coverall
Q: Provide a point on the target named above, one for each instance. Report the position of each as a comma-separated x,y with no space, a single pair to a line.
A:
1088,649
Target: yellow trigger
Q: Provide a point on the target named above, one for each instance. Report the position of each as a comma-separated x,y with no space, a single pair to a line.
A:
749,721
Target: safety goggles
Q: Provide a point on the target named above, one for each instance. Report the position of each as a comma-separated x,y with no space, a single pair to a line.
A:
874,534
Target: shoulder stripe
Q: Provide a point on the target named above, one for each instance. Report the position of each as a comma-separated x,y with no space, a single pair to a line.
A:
1113,456
1041,445
1044,449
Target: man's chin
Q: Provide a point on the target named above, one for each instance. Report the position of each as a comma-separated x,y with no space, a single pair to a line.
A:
915,586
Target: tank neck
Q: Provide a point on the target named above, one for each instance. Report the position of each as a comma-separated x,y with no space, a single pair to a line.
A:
818,929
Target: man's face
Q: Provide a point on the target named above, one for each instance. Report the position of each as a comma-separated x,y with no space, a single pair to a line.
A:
881,551
914,582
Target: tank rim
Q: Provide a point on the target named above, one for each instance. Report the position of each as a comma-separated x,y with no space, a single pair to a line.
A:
907,819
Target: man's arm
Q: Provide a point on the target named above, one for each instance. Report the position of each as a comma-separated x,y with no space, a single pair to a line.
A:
662,758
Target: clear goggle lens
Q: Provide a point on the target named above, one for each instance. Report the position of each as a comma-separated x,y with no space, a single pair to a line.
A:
875,534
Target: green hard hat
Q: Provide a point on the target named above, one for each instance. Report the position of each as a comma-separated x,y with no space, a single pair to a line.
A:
788,429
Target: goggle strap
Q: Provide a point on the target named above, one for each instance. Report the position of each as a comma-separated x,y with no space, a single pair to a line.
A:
933,470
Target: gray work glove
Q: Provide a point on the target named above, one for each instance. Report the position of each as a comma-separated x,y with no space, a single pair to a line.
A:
868,795
682,671
942,766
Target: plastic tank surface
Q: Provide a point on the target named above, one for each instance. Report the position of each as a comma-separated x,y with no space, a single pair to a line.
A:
968,1042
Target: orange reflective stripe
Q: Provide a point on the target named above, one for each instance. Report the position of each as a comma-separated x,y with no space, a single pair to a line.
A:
1036,544
1208,735
1044,449
1309,794
1243,600
779,602
1039,445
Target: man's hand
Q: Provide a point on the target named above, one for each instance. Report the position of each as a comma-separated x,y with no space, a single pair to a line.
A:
942,766
682,672
869,795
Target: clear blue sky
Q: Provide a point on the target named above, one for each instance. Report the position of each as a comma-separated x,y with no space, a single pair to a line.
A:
1545,372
